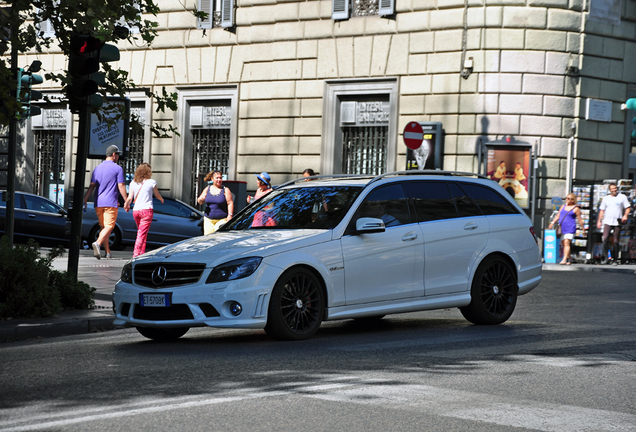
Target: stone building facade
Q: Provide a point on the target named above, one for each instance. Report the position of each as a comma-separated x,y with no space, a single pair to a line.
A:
280,86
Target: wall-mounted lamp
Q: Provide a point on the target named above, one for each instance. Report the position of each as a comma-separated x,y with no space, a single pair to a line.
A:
468,68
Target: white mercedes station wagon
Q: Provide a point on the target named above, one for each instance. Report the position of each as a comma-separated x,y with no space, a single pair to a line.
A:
340,247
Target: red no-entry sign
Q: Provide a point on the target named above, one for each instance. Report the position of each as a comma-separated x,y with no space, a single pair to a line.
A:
413,135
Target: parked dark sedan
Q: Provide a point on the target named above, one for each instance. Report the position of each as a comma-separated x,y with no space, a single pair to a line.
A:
38,218
172,221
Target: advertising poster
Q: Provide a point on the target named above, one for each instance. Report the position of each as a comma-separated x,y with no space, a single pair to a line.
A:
105,133
428,154
510,167
423,157
550,247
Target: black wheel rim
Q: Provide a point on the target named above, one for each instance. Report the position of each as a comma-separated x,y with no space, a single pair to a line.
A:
497,289
300,303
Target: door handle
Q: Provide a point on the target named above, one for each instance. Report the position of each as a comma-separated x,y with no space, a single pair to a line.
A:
471,226
409,237
31,215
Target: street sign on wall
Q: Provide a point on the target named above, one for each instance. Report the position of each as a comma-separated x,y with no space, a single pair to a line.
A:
413,135
424,142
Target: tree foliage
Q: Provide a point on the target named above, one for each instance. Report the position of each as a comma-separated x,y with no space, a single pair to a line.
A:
21,24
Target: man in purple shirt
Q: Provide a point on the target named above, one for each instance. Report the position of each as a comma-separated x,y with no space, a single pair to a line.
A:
107,178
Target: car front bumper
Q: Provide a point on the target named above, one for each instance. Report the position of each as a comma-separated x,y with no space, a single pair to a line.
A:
200,304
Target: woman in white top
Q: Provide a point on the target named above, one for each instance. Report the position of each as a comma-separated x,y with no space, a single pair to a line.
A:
141,190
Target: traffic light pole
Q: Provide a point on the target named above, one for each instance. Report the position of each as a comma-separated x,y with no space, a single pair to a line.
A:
83,135
10,214
13,142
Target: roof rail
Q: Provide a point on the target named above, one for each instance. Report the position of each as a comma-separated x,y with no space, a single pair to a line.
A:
428,172
381,176
325,176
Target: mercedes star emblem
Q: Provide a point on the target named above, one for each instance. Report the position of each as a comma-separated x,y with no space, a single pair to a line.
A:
159,275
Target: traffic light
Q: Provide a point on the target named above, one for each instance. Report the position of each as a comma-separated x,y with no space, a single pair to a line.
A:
26,79
631,105
83,66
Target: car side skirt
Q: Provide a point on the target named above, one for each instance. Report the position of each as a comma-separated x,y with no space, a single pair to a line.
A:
398,306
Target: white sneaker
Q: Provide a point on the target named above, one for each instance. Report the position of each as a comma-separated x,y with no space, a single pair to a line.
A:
96,251
107,256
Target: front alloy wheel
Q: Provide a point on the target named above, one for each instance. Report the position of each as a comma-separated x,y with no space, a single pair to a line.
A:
296,307
493,293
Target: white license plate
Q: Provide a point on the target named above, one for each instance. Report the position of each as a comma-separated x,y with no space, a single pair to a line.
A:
154,300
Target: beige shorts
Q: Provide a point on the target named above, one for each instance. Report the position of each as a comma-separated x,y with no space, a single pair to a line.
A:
211,225
107,216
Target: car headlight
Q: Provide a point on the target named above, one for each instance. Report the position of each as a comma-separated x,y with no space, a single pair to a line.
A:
126,273
232,270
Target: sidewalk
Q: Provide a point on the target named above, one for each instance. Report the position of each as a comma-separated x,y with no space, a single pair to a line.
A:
102,275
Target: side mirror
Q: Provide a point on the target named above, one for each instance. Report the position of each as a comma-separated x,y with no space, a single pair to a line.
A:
369,225
195,215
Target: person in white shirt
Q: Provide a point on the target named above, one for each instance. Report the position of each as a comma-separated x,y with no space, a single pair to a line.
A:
142,188
614,206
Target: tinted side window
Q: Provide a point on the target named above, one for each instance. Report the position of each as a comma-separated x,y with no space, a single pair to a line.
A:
172,208
488,200
465,206
432,201
17,200
39,204
387,203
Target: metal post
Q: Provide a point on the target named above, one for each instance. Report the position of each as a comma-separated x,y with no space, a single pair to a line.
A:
83,135
479,156
568,174
13,139
533,204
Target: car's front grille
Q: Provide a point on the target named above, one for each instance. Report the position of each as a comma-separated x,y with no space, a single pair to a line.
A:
162,275
172,313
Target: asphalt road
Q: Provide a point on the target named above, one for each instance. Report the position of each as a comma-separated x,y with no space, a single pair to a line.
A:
565,362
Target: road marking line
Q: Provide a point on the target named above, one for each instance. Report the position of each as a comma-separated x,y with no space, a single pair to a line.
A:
486,408
387,392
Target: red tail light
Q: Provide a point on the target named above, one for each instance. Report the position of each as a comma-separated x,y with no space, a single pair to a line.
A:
534,235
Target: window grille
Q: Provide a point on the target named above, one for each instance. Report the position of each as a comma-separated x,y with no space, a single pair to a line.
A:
50,157
364,150
365,7
135,156
211,151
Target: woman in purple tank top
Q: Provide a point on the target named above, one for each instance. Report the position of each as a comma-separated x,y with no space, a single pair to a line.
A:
219,202
567,217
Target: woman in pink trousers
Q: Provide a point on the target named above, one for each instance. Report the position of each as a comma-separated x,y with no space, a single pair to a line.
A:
141,190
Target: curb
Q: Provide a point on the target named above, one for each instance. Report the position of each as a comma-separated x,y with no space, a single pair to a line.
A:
589,268
64,327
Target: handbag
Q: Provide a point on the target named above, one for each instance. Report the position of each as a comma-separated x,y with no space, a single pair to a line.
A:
558,227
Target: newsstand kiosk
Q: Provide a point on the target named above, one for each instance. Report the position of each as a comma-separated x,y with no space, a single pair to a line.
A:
587,245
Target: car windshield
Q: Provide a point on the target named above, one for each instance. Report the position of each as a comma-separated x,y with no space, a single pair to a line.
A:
318,207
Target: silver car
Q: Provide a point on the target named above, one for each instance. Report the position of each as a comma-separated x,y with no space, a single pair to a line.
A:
172,221
340,248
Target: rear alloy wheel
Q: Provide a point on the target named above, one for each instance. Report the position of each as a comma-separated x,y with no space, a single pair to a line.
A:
162,334
296,307
493,293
